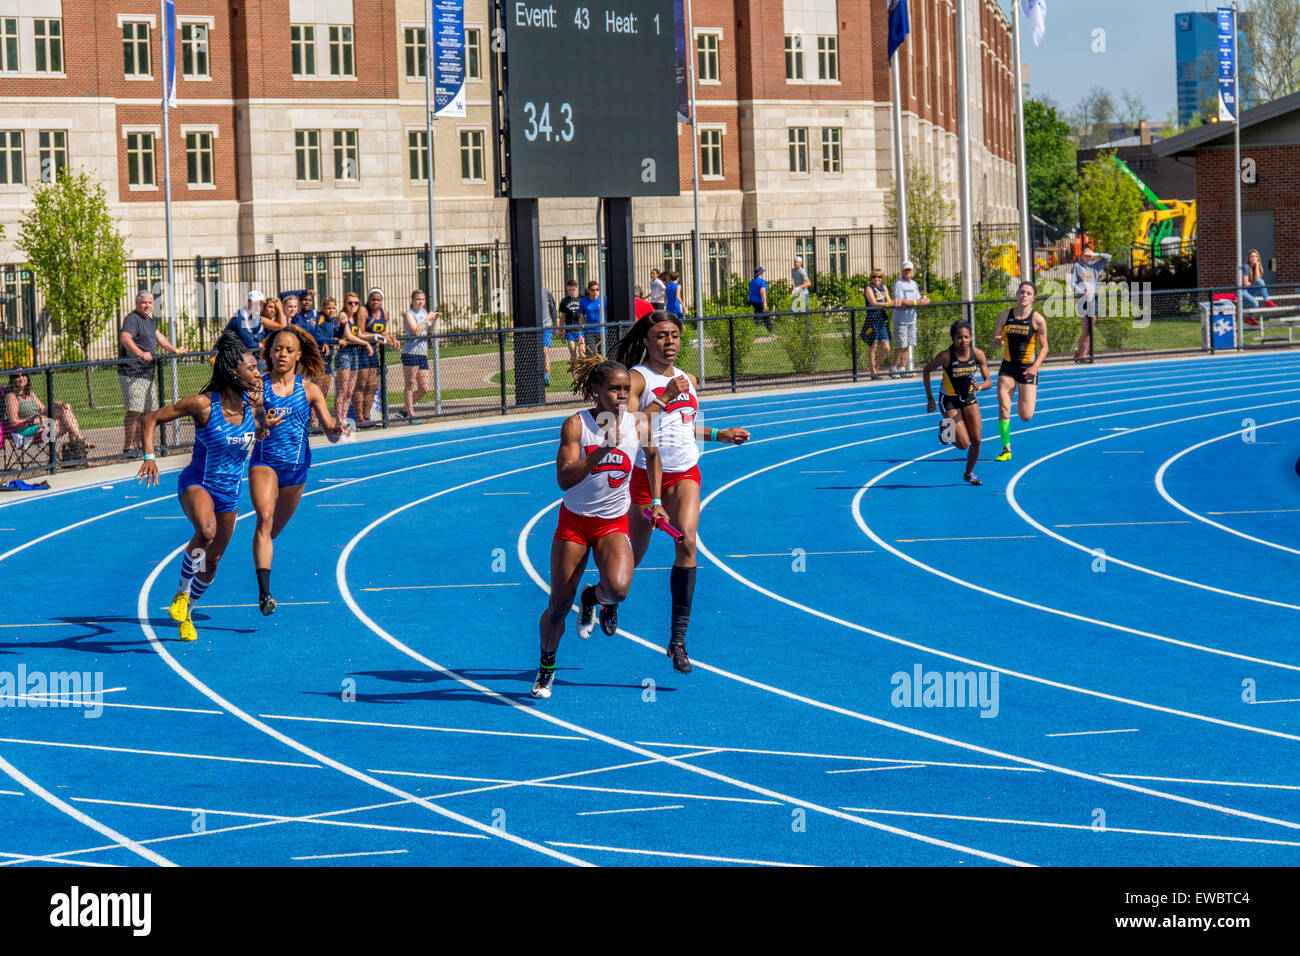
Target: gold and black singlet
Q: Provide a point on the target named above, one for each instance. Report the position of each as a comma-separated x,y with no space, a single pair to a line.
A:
1019,339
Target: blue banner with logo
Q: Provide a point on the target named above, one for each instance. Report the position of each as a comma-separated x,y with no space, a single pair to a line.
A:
169,41
1227,67
448,57
683,66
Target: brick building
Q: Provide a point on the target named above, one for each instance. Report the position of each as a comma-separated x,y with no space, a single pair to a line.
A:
300,123
1270,206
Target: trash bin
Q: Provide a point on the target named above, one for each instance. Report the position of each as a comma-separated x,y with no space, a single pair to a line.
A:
1219,324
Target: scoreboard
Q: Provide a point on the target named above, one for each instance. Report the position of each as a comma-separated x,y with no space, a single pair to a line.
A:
591,97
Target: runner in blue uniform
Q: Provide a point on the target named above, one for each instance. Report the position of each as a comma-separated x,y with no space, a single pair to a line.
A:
278,469
227,416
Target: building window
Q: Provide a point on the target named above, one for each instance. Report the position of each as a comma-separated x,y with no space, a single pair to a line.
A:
706,57
480,280
674,257
139,159
302,47
11,157
49,45
711,153
798,136
804,248
315,274
9,44
831,150
719,266
575,265
135,49
341,63
346,167
413,43
839,248
53,146
474,54
471,155
794,56
417,147
194,50
306,152
198,159
354,275
828,58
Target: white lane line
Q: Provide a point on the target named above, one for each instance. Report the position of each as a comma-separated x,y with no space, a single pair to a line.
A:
1111,559
1115,524
1211,783
1093,733
1077,826
226,607
597,813
25,858
445,730
81,817
538,713
1285,700
437,587
787,554
676,856
178,710
157,753
341,856
1164,492
991,537
12,793
902,766
1261,511
797,753
505,784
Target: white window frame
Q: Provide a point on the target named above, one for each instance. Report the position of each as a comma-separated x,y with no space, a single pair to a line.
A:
67,152
355,180
208,24
821,52
482,32
319,181
152,20
15,68
792,144
351,45
460,132
156,133
306,45
800,49
214,131
839,150
721,130
420,130
7,163
717,56
401,44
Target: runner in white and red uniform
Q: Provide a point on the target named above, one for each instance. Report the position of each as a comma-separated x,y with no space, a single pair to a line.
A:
594,467
668,395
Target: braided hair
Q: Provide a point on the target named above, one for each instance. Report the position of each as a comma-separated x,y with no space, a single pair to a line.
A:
631,349
591,372
310,362
225,365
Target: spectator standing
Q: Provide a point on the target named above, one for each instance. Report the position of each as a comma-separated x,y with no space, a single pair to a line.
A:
875,324
247,322
550,319
372,331
907,296
593,306
758,298
350,353
571,314
657,291
673,293
799,286
138,345
326,331
293,315
1083,282
640,304
420,324
308,301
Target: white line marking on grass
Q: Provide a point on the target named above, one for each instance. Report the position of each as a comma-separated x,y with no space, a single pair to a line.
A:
903,766
341,856
677,856
1092,733
445,730
1212,783
157,753
596,813
1076,826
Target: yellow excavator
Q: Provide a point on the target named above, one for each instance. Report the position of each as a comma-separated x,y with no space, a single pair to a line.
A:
1169,229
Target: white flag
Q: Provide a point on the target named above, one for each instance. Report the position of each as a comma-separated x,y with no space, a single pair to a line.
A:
1036,12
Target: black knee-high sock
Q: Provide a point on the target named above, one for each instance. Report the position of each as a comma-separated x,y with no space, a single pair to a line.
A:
263,581
682,584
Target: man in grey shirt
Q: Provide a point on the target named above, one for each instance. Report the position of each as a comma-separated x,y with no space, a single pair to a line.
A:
799,286
1083,281
137,345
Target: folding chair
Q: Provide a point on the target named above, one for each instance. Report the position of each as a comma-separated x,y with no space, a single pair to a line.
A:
20,452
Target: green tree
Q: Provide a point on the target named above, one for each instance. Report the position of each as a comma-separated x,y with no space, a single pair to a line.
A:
1110,202
1272,29
927,213
78,257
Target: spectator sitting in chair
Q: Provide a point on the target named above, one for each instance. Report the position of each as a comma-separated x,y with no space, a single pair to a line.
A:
25,414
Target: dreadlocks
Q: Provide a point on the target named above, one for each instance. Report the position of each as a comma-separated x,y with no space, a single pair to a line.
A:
225,365
630,349
310,362
590,373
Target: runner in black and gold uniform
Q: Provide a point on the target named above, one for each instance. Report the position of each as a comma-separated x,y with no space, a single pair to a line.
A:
959,401
1025,333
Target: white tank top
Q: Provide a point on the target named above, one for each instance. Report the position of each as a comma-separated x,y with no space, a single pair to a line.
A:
606,492
675,425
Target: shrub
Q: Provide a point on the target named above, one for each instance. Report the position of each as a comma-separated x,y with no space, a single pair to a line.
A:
801,336
721,336
15,355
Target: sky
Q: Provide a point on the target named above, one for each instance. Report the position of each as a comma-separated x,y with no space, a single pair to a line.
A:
1138,55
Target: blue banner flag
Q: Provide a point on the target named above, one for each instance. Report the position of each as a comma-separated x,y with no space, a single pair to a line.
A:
683,73
448,57
169,44
899,25
1227,67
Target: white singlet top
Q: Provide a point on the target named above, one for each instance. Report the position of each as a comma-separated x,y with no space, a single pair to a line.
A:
675,425
606,492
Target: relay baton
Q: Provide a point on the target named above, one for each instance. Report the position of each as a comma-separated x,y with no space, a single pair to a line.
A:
663,525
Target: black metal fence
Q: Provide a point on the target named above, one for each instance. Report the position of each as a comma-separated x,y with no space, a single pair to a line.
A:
498,369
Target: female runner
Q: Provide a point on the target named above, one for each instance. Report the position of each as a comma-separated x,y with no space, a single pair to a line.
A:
1025,332
958,402
278,469
227,416
668,394
593,465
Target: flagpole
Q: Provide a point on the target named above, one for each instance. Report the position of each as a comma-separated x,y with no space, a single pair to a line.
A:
1236,175
431,300
1022,179
900,174
167,71
963,154
697,261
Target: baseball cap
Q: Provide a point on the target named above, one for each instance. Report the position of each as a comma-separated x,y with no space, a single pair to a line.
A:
255,296
758,270
907,265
